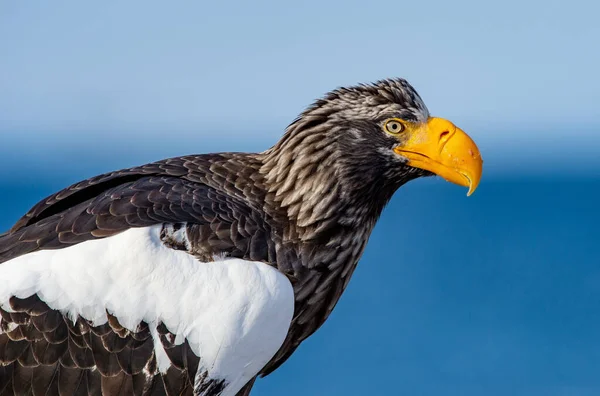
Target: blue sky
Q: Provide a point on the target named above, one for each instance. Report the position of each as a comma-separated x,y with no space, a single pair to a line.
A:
519,76
498,293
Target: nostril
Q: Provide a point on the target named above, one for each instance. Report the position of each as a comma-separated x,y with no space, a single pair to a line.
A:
444,134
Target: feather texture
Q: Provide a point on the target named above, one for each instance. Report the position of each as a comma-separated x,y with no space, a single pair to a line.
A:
128,306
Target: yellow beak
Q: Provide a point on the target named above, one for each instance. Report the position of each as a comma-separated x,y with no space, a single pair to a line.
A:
440,147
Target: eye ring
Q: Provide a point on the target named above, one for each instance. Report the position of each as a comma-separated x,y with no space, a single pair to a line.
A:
394,126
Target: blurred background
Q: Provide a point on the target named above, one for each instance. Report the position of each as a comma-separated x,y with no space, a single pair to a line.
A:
495,294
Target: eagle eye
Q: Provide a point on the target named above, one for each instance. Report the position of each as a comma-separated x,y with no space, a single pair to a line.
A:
393,126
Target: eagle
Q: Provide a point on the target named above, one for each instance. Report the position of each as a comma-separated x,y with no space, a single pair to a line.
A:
197,274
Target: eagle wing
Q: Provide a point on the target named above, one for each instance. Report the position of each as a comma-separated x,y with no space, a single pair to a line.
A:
43,349
178,190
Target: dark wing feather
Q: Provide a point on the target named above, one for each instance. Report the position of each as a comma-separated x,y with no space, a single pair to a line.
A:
89,361
221,217
86,189
44,350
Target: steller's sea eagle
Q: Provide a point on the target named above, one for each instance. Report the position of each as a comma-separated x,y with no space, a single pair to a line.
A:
196,274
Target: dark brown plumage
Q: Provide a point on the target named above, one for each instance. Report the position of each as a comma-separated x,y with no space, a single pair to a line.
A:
306,206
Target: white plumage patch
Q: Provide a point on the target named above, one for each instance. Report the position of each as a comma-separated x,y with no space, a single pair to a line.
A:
235,314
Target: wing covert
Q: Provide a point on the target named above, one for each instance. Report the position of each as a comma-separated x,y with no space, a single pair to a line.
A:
175,191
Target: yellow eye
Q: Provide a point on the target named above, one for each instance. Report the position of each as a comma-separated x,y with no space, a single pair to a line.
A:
394,126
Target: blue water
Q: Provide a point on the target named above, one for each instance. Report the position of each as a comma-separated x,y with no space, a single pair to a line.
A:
495,294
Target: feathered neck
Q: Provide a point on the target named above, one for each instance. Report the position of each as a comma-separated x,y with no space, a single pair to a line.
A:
321,183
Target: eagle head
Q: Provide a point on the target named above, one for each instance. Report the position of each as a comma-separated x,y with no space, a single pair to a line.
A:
359,144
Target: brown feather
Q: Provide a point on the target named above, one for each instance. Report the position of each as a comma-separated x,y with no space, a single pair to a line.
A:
27,358
119,384
71,382
11,350
106,362
32,305
82,357
45,380
22,378
6,380
46,353
93,382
